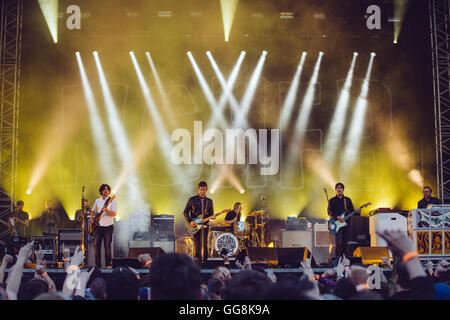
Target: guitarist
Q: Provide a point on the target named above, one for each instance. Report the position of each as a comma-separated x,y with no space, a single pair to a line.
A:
20,220
103,232
200,206
336,206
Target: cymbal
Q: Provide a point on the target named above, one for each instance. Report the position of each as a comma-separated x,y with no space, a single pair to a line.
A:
219,224
255,213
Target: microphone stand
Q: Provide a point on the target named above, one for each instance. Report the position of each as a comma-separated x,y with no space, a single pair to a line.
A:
83,213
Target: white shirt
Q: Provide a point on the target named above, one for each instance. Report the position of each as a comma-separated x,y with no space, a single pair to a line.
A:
105,220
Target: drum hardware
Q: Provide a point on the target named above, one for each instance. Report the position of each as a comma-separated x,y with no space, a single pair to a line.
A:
190,245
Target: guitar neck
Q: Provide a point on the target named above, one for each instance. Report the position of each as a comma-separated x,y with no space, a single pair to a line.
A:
209,218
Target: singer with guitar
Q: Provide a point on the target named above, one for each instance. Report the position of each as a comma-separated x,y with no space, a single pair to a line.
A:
102,224
336,206
18,221
199,206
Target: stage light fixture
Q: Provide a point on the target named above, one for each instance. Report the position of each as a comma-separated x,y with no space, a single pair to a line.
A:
49,10
134,197
228,9
206,89
337,123
400,8
247,99
164,141
161,90
227,86
354,135
289,101
97,128
307,103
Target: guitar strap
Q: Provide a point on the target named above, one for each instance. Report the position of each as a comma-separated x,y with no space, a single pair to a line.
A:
345,205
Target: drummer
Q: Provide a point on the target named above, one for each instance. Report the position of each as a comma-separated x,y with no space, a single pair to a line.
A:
233,216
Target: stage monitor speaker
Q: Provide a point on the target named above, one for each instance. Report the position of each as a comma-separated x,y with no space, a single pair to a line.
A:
124,262
371,255
359,230
291,257
262,255
168,246
153,251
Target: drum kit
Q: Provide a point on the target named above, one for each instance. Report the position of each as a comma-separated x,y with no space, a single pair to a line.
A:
239,236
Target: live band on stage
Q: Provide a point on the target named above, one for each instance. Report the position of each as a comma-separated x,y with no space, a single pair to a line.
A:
205,234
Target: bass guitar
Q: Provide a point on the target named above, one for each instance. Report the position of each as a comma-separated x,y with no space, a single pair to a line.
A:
96,220
201,223
335,225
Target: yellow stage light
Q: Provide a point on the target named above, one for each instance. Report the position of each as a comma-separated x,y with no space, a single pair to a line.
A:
49,9
228,8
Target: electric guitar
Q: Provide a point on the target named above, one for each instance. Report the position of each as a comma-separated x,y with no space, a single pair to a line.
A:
335,225
201,223
96,220
12,222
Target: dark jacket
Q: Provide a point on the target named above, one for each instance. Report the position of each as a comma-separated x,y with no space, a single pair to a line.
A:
336,207
423,204
194,208
422,288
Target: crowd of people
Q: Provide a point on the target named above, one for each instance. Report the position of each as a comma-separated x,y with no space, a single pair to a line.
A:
178,277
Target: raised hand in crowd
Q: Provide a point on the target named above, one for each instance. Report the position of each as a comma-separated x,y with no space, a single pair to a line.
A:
145,259
40,273
39,255
7,259
77,258
66,257
82,283
399,243
306,268
16,273
442,268
430,267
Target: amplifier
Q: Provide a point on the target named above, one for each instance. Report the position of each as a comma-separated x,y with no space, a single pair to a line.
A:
296,239
167,246
48,246
71,238
139,244
297,224
162,227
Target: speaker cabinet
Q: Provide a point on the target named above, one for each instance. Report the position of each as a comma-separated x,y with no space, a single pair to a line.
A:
371,255
167,246
291,257
154,252
262,255
296,239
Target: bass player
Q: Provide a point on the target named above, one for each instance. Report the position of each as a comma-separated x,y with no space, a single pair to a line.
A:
103,232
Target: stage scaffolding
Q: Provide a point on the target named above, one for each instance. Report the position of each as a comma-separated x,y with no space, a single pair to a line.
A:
439,28
11,34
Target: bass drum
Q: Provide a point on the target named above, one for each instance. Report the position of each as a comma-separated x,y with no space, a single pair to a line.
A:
228,241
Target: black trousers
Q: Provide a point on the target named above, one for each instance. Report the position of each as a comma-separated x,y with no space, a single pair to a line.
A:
341,241
198,244
103,234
